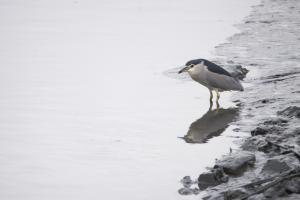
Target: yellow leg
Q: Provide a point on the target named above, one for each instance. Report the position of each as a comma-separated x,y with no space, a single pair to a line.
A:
211,96
218,97
210,99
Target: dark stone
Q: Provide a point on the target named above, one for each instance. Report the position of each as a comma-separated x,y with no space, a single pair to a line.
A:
250,144
291,111
206,180
185,191
239,72
215,196
187,181
236,163
196,191
296,132
275,166
206,197
213,178
279,122
293,185
259,131
234,194
267,147
275,192
257,143
270,127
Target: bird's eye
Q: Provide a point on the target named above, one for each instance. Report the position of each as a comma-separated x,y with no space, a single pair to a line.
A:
192,65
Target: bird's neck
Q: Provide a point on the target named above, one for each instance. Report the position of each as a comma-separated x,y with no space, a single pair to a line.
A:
195,72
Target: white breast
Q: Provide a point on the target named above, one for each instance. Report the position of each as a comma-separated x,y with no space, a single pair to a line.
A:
198,73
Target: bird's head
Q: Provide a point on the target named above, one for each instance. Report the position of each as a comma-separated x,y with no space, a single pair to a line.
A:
190,65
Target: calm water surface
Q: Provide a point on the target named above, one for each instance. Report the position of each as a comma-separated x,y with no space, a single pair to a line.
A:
86,111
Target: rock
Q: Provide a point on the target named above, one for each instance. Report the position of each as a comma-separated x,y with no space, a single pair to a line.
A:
187,181
227,195
239,72
185,191
259,143
269,127
275,192
274,166
291,111
253,144
259,131
196,191
267,101
249,144
236,163
278,122
296,132
213,178
290,197
214,197
293,185
234,194
188,191
267,147
206,180
206,197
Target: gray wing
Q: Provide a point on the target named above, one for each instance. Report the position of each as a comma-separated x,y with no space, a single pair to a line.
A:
222,82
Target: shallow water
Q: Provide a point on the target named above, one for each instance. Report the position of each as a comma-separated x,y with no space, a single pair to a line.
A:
86,110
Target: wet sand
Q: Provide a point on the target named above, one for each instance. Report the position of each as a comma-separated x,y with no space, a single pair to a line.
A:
269,46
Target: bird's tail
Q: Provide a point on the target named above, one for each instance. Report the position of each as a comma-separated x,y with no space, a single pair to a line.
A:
239,86
236,85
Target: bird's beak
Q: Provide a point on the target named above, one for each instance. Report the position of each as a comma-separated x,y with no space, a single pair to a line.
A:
184,69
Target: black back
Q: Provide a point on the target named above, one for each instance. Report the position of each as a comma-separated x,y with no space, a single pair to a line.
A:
210,66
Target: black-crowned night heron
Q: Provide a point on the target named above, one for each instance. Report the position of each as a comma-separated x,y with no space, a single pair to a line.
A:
212,76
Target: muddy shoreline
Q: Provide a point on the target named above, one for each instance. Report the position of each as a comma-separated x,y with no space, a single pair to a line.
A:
266,166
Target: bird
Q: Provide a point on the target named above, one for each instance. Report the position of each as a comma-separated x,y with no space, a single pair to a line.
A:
212,76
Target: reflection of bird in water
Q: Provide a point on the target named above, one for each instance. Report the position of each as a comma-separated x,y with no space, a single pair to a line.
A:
212,76
211,124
